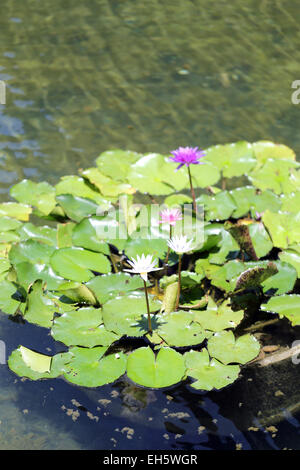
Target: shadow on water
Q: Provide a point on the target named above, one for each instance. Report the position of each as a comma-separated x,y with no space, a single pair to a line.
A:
148,76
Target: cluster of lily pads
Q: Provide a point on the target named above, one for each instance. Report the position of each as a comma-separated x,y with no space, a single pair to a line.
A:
59,270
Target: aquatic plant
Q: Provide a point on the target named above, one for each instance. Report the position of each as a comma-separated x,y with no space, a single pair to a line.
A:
78,258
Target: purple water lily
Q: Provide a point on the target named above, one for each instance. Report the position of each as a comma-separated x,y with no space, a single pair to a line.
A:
187,156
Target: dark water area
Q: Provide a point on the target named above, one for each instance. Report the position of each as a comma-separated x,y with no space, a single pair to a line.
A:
84,77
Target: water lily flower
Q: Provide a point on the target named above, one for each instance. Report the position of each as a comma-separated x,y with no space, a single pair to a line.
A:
142,265
170,216
180,244
187,156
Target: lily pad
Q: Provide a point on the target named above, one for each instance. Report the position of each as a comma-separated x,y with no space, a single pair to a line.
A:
234,159
77,264
10,297
40,195
283,227
88,367
126,315
148,370
286,306
209,374
27,273
113,285
15,210
219,317
77,207
39,308
27,363
224,347
82,327
178,329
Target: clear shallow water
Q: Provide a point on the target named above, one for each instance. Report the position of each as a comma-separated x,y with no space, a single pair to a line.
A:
83,77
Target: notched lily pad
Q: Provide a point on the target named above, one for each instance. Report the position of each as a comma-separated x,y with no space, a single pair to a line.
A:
178,329
209,374
82,327
155,371
90,368
218,317
27,363
224,347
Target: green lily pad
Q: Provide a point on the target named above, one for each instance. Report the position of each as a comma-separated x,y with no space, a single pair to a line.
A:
147,246
177,200
64,235
208,374
264,150
218,317
107,186
39,308
260,239
45,234
243,199
178,329
218,207
227,246
77,186
77,207
127,315
10,298
77,264
205,175
291,257
9,237
40,195
234,159
147,175
31,251
112,285
274,175
27,363
15,210
281,282
27,273
224,347
286,306
82,327
163,370
88,367
284,228
88,234
8,224
108,161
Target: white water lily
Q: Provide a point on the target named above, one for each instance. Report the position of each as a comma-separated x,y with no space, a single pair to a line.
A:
180,244
142,265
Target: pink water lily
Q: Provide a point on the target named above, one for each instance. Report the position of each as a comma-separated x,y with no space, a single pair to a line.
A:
170,216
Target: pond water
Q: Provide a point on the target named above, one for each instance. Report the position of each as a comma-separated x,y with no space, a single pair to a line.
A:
84,77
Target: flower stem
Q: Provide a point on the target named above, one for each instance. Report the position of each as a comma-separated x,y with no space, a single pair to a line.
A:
168,252
179,283
192,190
148,308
